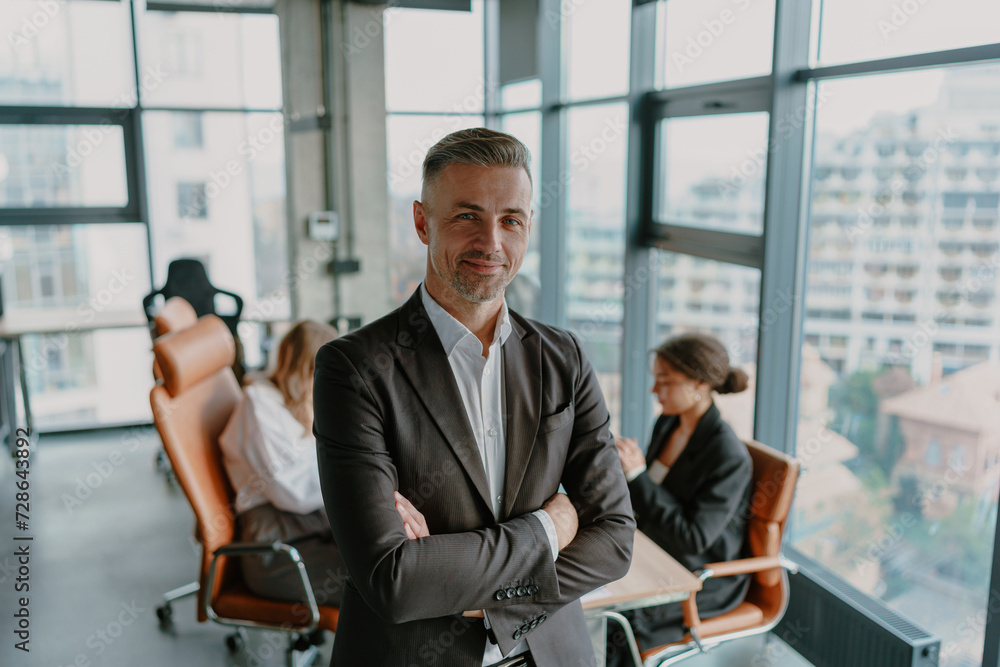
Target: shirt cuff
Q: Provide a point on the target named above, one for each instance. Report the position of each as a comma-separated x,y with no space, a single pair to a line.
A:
550,531
635,472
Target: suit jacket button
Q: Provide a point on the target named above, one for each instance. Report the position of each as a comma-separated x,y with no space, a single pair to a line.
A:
532,589
534,623
517,635
524,628
510,593
521,591
500,595
541,619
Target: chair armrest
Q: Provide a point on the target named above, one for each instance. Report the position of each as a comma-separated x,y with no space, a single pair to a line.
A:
238,549
741,566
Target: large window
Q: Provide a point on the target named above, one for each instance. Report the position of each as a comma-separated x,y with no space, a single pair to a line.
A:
112,165
423,106
597,140
899,375
814,183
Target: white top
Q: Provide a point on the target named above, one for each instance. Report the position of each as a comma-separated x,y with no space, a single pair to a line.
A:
269,455
480,382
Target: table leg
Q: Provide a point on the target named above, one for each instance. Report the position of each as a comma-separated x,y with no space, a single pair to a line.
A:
597,626
8,403
599,636
24,384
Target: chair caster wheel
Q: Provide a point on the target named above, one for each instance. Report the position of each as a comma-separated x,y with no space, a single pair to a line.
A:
166,615
234,643
301,643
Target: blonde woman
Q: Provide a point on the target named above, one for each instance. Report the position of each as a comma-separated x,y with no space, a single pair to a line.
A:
270,455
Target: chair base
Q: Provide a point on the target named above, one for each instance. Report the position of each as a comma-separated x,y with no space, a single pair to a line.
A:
302,649
165,612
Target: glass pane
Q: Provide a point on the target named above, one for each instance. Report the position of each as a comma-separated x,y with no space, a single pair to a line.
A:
221,199
521,95
79,273
434,60
210,59
713,172
408,138
706,296
716,40
90,379
62,165
82,269
595,230
66,53
856,30
897,418
525,291
596,36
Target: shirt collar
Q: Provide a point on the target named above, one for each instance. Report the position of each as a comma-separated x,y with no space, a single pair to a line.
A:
451,331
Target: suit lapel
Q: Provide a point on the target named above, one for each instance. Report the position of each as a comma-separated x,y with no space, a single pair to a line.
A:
522,366
423,361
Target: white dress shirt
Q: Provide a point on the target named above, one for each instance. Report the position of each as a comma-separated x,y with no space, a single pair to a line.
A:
269,455
481,383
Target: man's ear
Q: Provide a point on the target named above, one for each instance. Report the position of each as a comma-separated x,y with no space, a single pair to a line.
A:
421,223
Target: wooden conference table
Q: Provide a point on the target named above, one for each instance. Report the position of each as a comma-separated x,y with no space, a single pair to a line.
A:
653,578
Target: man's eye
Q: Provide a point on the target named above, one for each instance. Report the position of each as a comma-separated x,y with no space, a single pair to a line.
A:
513,221
466,216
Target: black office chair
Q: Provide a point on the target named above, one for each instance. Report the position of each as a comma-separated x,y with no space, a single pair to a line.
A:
187,278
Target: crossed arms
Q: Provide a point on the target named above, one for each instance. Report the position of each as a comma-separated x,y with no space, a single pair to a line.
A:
405,579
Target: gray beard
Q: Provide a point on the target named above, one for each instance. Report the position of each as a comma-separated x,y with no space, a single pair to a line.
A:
475,289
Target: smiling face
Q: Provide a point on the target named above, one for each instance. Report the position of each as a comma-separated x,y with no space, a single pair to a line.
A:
475,222
675,391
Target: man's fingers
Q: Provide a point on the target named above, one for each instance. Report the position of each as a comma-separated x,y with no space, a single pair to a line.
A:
409,531
415,516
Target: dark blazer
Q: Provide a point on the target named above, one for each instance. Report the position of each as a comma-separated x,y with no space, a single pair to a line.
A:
389,416
699,513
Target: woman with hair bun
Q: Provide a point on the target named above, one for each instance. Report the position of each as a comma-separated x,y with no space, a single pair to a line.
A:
691,490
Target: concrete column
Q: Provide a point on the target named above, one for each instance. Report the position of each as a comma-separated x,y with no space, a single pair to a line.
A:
336,154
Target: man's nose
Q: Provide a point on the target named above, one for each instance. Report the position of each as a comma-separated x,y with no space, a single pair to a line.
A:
487,237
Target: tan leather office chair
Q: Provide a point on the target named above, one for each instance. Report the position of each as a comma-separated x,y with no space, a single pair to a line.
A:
191,406
774,478
175,314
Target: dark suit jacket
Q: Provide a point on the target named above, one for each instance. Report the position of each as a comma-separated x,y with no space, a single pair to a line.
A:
699,513
389,416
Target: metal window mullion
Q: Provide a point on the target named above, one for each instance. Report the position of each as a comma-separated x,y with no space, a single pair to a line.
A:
756,88
641,273
720,246
963,56
215,8
783,273
991,646
552,185
491,65
65,216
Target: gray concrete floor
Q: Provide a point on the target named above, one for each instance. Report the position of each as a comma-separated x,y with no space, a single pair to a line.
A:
111,536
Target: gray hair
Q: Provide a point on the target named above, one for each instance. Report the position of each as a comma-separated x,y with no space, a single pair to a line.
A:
477,146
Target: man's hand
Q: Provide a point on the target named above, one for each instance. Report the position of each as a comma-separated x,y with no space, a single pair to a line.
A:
413,521
563,515
629,454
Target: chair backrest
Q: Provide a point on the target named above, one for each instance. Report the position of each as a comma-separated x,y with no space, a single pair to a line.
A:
774,478
188,279
191,407
175,314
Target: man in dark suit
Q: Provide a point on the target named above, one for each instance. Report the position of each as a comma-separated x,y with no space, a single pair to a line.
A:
444,431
